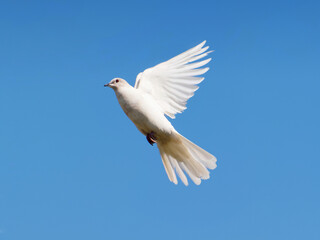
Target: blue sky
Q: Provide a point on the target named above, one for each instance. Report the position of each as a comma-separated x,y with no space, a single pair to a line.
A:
72,166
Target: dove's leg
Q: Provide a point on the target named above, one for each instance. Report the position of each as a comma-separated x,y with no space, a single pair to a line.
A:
151,138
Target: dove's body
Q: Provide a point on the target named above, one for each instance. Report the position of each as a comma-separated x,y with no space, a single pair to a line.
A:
144,113
164,90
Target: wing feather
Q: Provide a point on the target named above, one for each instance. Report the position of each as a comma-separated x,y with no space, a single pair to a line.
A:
173,82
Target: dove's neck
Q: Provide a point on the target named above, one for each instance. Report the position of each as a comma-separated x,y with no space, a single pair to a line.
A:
124,91
127,97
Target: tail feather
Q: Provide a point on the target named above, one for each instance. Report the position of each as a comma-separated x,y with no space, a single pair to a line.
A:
168,167
181,155
207,159
194,178
178,169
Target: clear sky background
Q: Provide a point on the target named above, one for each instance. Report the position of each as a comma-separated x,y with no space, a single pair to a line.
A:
72,166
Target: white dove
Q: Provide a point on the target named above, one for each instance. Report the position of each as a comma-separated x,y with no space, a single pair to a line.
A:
164,90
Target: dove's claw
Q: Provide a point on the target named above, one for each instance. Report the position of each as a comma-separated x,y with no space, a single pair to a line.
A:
151,138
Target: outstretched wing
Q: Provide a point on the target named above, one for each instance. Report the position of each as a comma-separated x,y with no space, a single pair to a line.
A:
173,82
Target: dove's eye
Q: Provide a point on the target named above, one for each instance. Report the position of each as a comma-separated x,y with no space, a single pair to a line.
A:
117,80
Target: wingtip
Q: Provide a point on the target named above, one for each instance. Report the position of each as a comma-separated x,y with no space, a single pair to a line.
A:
202,43
206,69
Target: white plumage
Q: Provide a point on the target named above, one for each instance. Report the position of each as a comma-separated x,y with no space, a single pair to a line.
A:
173,82
164,90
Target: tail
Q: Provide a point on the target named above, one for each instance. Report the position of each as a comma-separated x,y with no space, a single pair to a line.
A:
182,156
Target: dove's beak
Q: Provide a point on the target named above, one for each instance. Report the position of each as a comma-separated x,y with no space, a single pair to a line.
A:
107,85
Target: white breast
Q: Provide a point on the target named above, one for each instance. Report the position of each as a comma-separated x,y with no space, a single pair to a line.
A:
143,111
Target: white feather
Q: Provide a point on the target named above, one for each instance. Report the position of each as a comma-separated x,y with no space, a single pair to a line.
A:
183,155
173,82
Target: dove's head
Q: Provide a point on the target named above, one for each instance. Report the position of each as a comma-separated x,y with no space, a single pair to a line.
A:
117,83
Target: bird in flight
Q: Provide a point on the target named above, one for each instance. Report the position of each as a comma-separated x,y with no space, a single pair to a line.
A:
164,90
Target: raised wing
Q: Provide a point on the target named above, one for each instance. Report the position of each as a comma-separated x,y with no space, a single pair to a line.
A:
173,82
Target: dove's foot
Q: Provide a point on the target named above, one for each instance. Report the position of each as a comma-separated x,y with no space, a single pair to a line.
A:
151,138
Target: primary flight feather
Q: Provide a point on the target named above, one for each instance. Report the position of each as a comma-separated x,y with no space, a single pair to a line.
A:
164,90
